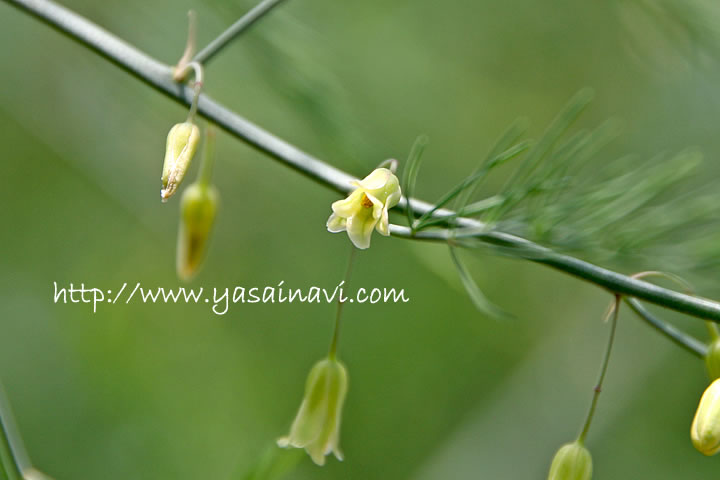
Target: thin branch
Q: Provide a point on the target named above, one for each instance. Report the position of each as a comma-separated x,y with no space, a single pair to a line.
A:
159,76
13,458
688,342
612,281
245,22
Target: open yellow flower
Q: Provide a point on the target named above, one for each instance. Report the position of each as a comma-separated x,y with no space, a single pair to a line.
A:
366,209
317,425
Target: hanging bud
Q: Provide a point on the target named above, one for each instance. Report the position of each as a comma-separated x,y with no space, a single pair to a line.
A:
571,462
182,142
197,214
317,425
712,359
705,430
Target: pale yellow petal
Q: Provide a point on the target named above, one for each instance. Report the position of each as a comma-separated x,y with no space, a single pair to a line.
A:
359,228
348,206
376,180
377,205
336,223
393,198
317,454
336,449
383,225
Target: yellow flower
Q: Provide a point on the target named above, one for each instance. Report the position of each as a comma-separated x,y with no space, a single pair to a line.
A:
366,208
197,214
317,425
705,430
571,462
182,142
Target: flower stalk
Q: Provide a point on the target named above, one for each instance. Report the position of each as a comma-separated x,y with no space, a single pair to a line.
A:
614,312
338,314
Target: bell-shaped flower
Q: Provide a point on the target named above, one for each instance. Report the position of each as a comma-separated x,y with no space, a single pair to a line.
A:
182,142
198,207
366,209
705,430
317,425
571,462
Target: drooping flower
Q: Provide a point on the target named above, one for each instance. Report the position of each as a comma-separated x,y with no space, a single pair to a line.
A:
571,462
198,207
366,208
182,142
705,429
316,427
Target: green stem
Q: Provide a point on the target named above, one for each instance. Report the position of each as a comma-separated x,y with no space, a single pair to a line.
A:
180,72
684,340
12,452
391,164
197,87
603,371
208,160
340,303
245,22
712,330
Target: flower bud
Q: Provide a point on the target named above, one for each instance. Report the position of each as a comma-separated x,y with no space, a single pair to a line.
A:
317,425
705,430
571,462
197,214
182,142
712,359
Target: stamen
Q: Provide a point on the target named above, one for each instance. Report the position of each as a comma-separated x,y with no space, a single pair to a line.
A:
366,202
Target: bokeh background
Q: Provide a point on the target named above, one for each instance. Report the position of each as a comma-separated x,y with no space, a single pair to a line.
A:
437,389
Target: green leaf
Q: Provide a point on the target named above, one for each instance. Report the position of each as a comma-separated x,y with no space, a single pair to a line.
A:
476,296
410,173
510,137
540,151
469,210
496,161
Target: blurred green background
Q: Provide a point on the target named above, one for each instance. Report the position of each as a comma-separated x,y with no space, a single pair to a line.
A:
437,390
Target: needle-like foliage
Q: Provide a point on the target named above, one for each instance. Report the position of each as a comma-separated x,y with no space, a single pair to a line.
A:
550,197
